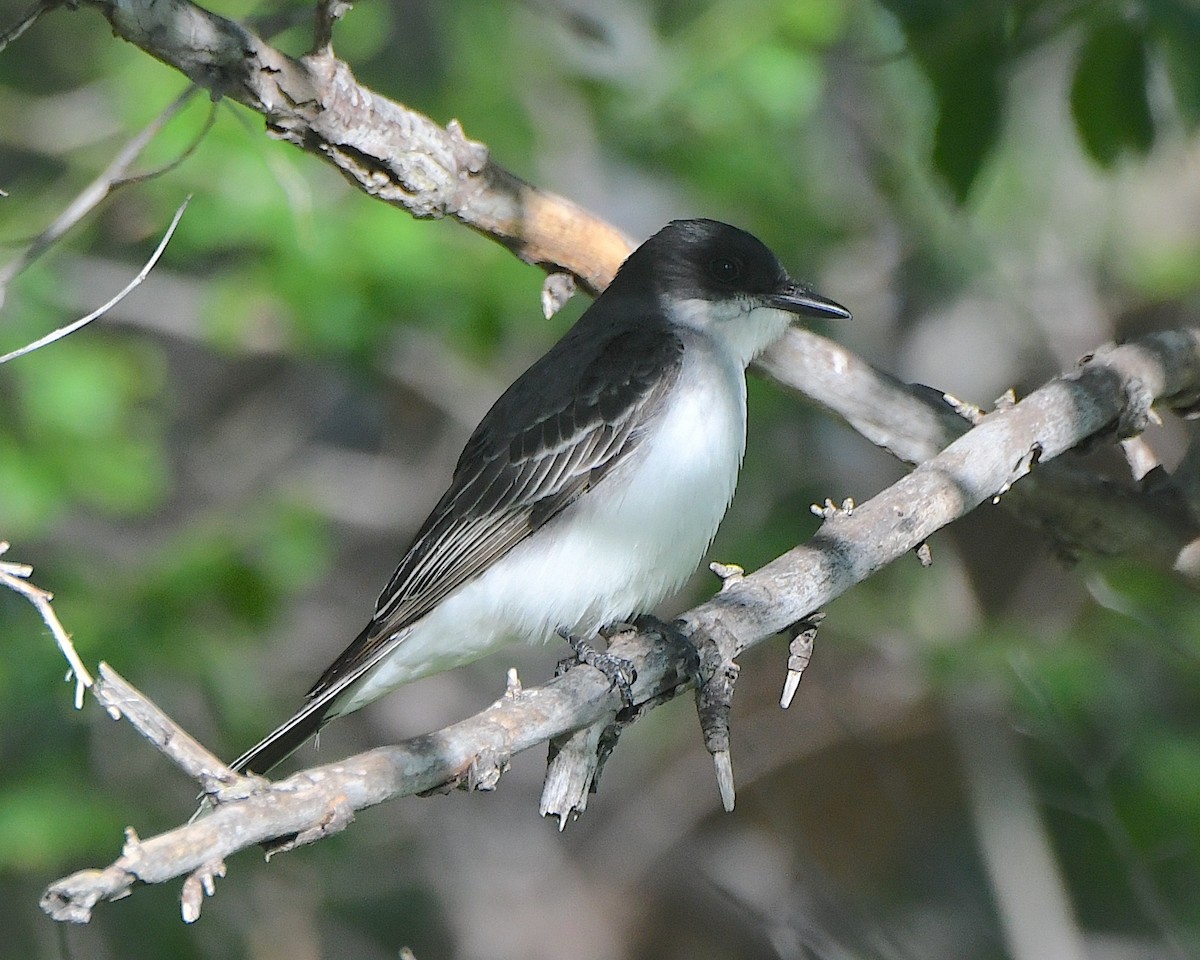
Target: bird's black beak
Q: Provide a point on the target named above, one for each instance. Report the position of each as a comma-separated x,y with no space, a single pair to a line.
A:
803,302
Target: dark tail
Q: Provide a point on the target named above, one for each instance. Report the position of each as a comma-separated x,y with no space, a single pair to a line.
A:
289,736
282,742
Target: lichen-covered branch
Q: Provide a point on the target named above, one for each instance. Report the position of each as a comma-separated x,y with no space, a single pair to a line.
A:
406,159
1112,388
385,149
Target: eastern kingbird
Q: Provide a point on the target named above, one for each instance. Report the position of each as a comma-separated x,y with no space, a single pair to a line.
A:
592,488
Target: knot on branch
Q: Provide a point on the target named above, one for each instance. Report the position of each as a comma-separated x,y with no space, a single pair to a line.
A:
800,651
470,155
714,702
200,883
73,898
485,771
1027,462
573,770
337,817
970,412
1137,410
832,511
557,289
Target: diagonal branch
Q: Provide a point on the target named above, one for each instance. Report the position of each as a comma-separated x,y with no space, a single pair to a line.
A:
1080,512
1111,388
114,176
28,19
390,152
16,576
406,159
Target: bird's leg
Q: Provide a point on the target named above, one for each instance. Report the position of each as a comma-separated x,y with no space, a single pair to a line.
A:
619,671
577,759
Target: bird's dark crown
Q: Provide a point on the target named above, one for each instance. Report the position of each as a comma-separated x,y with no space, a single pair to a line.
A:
704,259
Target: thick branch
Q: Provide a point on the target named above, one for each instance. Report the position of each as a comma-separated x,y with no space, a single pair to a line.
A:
404,158
385,149
1079,511
1112,386
848,548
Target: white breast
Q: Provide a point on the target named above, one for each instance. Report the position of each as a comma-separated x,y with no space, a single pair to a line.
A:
621,548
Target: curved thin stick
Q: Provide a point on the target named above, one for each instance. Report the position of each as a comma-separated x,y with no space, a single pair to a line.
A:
100,311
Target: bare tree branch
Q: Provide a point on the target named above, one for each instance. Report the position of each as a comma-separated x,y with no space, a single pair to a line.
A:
321,801
387,150
28,20
121,699
404,158
83,321
1079,511
1111,388
16,576
115,175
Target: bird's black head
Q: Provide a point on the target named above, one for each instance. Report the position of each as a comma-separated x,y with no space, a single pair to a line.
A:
712,261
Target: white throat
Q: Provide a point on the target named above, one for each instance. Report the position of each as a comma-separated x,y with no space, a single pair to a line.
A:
741,328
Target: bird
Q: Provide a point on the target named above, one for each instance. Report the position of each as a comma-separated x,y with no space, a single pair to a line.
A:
593,487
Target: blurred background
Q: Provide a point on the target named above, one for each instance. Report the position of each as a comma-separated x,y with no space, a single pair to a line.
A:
996,757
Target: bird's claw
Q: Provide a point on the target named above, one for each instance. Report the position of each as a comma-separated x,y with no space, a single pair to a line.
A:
618,670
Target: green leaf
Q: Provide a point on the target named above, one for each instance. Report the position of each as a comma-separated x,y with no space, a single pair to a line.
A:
964,50
1108,93
970,106
1177,31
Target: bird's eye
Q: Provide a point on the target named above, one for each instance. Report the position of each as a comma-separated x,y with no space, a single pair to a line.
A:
725,269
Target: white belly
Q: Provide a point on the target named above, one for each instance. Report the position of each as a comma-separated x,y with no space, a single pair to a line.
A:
621,548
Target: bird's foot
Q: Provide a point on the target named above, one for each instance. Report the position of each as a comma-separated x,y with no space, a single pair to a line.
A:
671,632
619,671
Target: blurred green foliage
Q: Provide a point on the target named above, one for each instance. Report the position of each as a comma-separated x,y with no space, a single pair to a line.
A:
968,51
875,142
1109,99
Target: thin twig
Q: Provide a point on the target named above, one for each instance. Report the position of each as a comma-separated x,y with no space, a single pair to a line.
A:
120,698
117,696
329,12
112,177
316,802
99,312
15,576
27,21
191,148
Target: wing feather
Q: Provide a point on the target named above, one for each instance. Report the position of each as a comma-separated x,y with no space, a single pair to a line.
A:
509,482
560,429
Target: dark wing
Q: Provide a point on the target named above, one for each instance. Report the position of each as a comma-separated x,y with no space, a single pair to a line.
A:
525,462
557,431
